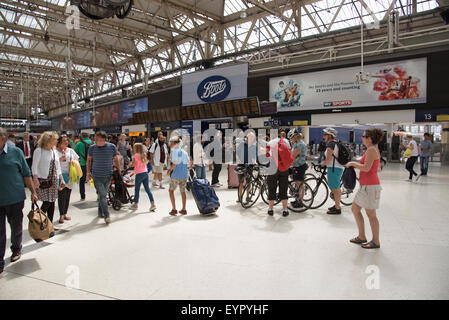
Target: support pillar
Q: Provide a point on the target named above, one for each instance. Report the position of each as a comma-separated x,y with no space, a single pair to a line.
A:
389,137
444,155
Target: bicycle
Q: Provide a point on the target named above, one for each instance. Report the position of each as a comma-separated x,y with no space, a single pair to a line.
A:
320,187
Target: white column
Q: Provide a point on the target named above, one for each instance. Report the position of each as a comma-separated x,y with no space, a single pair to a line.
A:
305,133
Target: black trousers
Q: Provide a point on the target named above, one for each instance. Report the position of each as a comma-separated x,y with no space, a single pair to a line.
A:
216,173
83,183
49,209
281,179
13,213
64,200
409,166
29,162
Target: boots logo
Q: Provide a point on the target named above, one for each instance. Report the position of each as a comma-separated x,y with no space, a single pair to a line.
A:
213,89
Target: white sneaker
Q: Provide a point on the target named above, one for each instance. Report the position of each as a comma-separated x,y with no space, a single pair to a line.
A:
135,206
152,208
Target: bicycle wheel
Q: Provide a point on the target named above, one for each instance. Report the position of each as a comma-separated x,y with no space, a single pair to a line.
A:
347,196
251,193
304,198
320,192
264,193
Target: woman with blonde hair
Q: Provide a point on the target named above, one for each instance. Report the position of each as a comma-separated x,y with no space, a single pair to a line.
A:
139,163
46,169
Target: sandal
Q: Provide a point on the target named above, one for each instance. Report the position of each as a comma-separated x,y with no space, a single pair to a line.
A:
370,245
173,212
184,212
61,220
357,240
67,218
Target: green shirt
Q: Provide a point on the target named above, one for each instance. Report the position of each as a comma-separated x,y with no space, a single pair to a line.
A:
13,168
301,157
80,149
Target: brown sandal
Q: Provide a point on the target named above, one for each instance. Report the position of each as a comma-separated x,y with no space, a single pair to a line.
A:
184,212
370,245
357,240
173,212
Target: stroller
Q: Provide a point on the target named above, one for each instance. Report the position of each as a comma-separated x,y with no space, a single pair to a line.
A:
118,194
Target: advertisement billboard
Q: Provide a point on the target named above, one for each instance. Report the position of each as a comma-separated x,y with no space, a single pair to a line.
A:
393,83
214,85
128,108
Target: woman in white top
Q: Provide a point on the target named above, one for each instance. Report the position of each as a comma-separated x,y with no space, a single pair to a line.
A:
199,158
411,144
45,167
65,155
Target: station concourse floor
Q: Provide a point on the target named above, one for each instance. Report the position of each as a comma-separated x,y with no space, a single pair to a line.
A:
242,253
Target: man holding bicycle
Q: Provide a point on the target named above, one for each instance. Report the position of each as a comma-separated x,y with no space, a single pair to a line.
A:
246,153
335,169
299,166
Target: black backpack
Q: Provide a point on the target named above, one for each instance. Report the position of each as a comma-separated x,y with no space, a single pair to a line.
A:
344,153
349,178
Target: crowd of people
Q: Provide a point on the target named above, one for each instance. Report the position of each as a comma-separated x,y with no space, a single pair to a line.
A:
41,163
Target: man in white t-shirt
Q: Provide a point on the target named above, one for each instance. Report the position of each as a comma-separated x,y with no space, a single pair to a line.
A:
159,156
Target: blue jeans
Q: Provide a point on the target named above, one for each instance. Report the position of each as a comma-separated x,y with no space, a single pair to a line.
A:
424,164
102,185
200,171
142,178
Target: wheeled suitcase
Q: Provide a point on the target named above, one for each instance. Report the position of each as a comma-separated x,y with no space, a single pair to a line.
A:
233,178
205,197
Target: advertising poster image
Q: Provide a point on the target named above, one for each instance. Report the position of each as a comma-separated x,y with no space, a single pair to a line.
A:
399,82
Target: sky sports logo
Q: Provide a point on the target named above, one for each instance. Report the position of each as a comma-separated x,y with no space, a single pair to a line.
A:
342,103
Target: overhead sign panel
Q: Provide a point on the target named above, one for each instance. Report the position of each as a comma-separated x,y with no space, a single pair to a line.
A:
215,85
394,83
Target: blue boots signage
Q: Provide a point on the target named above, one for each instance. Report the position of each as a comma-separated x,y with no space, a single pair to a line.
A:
215,85
214,89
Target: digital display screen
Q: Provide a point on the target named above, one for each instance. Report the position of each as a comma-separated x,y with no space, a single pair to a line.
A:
105,116
81,119
128,108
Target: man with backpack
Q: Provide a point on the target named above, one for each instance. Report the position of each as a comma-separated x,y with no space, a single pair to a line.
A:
81,149
337,156
281,154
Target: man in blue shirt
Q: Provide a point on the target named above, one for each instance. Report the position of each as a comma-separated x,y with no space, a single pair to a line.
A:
426,149
100,158
178,173
13,174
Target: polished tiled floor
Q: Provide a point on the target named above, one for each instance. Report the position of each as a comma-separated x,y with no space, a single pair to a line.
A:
243,254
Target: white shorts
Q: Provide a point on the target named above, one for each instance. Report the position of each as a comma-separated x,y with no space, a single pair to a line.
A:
158,169
368,197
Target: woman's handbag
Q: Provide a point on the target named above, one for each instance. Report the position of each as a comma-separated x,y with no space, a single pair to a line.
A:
39,226
48,183
408,153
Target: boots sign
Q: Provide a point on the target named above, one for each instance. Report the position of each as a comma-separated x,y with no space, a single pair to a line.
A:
214,89
215,85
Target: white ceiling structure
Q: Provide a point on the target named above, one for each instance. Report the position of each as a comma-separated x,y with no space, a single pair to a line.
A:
55,66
